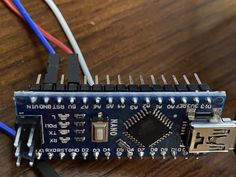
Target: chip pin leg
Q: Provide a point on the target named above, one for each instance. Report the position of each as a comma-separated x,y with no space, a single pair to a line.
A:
197,78
164,79
141,79
31,136
18,134
153,79
131,81
186,79
175,80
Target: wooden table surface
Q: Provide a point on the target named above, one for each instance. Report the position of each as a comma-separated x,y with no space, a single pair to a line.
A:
126,37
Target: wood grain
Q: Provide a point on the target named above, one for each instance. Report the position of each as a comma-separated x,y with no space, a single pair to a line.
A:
126,37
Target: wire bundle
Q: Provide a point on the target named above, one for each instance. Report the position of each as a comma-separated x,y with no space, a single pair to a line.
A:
43,35
51,38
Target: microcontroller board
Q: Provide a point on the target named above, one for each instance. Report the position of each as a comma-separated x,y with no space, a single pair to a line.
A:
58,119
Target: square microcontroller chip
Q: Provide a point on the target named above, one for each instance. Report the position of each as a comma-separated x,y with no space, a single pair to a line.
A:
148,130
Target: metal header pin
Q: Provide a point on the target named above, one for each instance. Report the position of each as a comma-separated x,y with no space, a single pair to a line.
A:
141,79
172,100
39,155
108,79
119,79
153,79
31,149
152,154
18,134
46,100
119,154
17,152
31,163
85,80
186,79
31,136
18,161
164,79
197,79
38,78
175,80
62,155
96,79
85,154
33,99
62,79
50,155
96,155
131,81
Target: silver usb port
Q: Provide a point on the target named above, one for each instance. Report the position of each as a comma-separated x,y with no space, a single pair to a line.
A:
212,137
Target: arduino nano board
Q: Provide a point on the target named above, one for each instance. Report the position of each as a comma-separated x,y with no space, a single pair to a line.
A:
57,119
68,117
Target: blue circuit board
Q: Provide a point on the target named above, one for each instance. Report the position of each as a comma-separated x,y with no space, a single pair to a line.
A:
67,127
